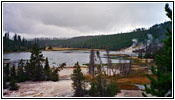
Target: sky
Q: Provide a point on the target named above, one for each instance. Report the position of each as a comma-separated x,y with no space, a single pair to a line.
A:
65,20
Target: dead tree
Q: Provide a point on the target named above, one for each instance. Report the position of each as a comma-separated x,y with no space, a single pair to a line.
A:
121,67
109,67
92,63
114,69
101,64
130,64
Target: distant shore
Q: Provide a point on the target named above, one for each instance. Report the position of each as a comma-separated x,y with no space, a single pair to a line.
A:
56,49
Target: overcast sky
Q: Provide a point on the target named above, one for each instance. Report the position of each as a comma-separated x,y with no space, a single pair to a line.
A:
79,19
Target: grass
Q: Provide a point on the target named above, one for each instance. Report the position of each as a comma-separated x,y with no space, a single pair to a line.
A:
135,80
62,49
128,87
120,55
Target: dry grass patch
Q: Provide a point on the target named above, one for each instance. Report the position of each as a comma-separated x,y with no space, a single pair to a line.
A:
128,87
62,49
135,80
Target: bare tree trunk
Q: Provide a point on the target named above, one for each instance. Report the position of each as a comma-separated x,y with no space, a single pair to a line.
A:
114,70
130,64
121,67
109,62
91,63
101,64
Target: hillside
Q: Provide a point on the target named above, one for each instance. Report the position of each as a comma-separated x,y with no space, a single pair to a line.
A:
114,42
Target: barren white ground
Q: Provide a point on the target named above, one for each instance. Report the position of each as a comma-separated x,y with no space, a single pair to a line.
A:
60,88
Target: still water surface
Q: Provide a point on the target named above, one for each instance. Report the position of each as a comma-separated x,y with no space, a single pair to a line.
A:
57,57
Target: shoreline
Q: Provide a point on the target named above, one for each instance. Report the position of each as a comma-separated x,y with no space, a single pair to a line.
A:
60,49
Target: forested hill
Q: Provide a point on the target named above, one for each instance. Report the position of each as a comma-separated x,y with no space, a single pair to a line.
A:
114,42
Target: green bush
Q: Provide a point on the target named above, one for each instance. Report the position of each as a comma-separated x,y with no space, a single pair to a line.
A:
112,89
13,85
108,89
54,75
93,91
5,86
140,55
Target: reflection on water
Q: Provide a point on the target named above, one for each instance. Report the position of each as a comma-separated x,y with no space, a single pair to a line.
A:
57,57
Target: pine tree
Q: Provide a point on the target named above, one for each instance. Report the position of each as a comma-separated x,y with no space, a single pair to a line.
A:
101,88
28,71
47,69
161,86
6,73
13,72
5,83
36,61
54,75
79,82
13,77
20,71
13,85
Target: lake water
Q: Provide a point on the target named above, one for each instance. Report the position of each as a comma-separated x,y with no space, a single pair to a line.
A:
70,57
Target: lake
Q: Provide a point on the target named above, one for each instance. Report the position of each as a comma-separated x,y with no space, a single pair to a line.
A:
69,56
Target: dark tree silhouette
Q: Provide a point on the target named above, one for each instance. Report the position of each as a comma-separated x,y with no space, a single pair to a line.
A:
79,82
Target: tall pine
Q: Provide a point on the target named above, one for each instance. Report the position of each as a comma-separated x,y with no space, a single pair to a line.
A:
78,81
161,86
47,69
20,71
36,64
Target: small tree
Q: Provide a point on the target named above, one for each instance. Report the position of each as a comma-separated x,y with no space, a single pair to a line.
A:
101,88
54,74
6,72
20,71
28,71
4,83
78,81
13,85
47,69
13,72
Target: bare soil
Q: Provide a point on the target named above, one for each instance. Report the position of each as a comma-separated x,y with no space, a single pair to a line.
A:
61,88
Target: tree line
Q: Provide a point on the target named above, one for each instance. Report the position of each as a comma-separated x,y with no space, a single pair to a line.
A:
115,41
18,43
15,44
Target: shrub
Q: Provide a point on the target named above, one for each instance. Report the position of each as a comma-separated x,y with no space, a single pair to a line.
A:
5,86
13,85
103,88
79,83
54,75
